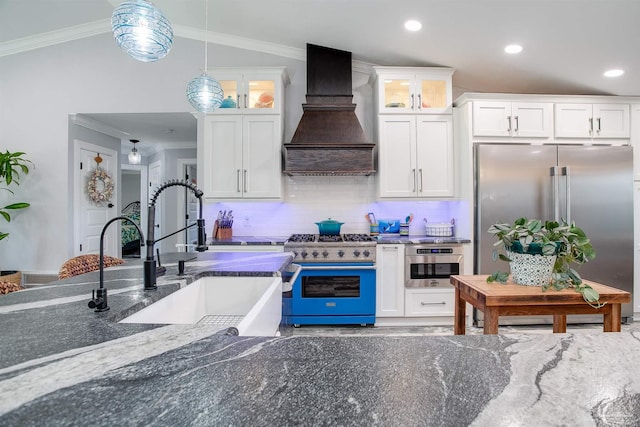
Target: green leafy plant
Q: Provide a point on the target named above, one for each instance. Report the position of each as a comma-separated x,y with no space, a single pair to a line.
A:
12,165
568,242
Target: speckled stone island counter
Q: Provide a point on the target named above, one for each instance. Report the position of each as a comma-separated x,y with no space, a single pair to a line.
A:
251,241
61,364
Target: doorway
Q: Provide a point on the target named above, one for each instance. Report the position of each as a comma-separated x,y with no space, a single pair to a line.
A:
187,206
133,184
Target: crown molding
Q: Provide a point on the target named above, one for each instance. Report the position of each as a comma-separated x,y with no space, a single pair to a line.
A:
92,124
55,37
104,26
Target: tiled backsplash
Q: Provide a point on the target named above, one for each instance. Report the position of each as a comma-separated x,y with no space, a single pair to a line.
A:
309,199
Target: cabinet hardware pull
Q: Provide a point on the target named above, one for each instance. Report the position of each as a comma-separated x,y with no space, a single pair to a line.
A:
413,172
419,101
590,126
238,180
389,248
238,100
245,101
517,125
420,170
432,303
244,183
509,125
412,101
598,119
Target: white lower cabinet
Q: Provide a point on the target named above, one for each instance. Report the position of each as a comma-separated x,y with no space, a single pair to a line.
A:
428,302
390,280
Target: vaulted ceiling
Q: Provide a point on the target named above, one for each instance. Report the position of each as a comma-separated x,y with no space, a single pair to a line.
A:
567,44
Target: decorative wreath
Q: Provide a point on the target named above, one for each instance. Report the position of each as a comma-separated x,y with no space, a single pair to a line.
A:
100,186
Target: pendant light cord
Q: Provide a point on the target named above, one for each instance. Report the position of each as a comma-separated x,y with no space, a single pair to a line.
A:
206,32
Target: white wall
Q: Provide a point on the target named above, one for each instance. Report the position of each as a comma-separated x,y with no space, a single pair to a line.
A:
40,88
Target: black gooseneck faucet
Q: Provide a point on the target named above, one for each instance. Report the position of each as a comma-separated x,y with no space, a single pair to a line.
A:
99,296
150,263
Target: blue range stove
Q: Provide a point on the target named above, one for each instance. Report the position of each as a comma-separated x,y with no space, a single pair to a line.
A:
337,283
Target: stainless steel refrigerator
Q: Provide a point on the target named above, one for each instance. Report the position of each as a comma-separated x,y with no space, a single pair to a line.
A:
591,185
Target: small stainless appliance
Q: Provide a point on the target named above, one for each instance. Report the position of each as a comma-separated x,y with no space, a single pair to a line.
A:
337,283
431,265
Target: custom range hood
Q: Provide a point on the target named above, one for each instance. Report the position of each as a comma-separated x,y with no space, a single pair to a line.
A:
329,139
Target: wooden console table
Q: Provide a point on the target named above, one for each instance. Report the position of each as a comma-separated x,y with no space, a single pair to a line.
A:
496,299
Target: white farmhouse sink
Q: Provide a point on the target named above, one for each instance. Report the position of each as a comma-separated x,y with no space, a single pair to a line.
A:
251,305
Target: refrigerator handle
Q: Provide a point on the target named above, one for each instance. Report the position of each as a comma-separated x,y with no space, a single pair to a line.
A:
567,173
553,172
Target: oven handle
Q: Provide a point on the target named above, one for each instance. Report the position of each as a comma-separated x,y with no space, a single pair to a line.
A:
339,267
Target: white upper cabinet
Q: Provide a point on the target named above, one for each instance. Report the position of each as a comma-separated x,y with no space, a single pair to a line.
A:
241,157
416,157
512,119
251,91
592,121
406,90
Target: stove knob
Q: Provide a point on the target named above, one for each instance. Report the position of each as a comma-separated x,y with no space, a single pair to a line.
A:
295,254
356,253
315,254
340,253
325,254
304,254
366,253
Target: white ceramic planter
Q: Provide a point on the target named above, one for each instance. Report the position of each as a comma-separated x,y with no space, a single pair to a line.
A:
531,270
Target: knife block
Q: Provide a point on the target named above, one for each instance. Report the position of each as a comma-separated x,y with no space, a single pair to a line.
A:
224,233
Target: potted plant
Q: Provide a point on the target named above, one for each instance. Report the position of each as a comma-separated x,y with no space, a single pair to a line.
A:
12,167
559,245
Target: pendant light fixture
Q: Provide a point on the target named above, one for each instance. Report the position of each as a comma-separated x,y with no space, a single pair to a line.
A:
134,157
141,30
204,92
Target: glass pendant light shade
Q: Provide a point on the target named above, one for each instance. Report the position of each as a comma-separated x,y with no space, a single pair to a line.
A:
204,93
141,30
134,157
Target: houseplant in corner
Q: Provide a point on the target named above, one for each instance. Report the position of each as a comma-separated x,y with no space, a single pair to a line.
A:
12,165
542,254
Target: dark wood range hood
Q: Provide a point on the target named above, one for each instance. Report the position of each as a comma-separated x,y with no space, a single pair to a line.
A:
329,139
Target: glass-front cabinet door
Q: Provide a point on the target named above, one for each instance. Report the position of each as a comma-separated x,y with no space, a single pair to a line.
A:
414,90
258,91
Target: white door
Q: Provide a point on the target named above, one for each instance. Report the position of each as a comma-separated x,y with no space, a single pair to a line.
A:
155,176
91,215
187,204
531,119
397,156
434,154
491,118
261,152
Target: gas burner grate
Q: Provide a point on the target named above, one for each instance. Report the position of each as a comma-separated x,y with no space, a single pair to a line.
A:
299,238
357,238
329,238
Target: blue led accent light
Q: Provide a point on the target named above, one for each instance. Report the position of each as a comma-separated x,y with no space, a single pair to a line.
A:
204,93
141,30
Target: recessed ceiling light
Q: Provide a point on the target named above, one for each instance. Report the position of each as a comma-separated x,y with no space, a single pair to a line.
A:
412,25
613,73
513,48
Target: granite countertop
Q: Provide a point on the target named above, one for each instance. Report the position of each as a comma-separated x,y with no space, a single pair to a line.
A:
63,364
250,240
398,239
382,238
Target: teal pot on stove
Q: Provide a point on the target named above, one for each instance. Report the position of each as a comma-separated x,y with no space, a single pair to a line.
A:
329,227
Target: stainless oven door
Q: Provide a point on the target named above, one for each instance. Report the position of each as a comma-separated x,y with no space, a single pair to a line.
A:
431,271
